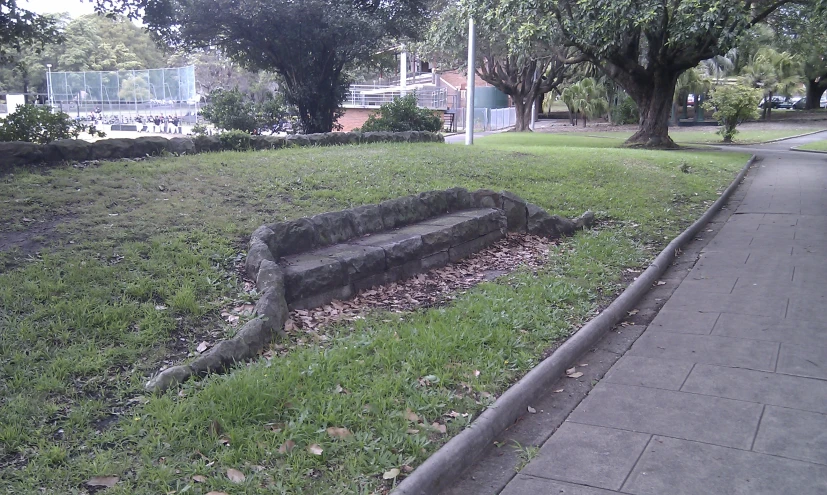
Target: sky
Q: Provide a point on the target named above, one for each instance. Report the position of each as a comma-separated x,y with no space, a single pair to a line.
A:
75,8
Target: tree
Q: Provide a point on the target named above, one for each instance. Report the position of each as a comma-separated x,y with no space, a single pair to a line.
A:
21,28
774,73
692,81
645,45
803,33
308,43
732,106
403,114
586,98
524,68
234,110
134,88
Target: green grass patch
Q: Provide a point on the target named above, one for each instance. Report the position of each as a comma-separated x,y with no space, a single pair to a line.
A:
815,146
139,260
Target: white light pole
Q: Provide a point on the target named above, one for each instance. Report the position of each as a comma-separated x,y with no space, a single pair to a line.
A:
469,92
49,86
403,72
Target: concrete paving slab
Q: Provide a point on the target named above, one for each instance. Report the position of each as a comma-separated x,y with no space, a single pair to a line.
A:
773,305
679,467
717,285
530,485
647,372
708,419
707,349
679,321
758,386
791,331
597,456
803,361
807,305
793,434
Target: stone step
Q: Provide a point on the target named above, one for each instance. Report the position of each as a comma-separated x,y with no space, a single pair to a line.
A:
319,276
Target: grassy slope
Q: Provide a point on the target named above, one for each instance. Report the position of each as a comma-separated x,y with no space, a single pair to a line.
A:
82,329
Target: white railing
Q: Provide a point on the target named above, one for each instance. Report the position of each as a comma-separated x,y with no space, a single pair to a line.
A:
368,97
487,119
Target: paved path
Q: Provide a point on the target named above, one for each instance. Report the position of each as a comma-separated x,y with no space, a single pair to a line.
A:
726,390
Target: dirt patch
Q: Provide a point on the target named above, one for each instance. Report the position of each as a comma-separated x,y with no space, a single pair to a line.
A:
38,234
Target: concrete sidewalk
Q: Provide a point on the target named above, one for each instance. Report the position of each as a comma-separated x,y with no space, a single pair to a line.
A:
726,390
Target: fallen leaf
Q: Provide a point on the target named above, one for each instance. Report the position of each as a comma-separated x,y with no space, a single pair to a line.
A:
287,446
389,475
160,307
531,410
315,449
575,375
411,416
339,432
407,469
105,481
236,476
203,346
559,390
198,478
660,282
412,431
257,468
216,493
633,312
440,428
570,371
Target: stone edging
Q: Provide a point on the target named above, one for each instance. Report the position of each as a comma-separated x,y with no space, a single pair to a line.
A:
269,244
14,154
463,450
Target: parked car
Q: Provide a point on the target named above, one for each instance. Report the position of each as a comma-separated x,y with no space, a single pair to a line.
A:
776,102
802,103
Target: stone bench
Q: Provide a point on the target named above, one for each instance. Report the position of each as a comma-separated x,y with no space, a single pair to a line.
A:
335,255
308,262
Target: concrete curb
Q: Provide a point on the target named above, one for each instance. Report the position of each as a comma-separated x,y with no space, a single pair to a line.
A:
462,451
796,148
791,137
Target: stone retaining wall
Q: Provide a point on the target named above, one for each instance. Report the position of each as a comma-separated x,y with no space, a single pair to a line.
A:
13,154
308,262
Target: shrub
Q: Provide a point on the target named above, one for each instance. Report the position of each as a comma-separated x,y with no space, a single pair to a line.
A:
401,115
732,106
38,124
235,140
625,112
199,130
234,110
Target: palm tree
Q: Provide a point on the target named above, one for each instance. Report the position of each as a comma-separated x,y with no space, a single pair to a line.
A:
586,98
720,66
691,81
774,72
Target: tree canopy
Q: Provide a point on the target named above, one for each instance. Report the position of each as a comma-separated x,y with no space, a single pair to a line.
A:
644,45
20,28
309,43
524,68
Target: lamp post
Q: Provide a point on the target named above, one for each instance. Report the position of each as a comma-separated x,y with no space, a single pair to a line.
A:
49,86
469,92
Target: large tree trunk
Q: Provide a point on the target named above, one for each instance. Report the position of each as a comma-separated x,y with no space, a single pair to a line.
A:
814,91
523,111
653,96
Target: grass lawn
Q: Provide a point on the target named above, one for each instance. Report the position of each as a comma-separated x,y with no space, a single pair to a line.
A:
709,135
138,260
815,146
